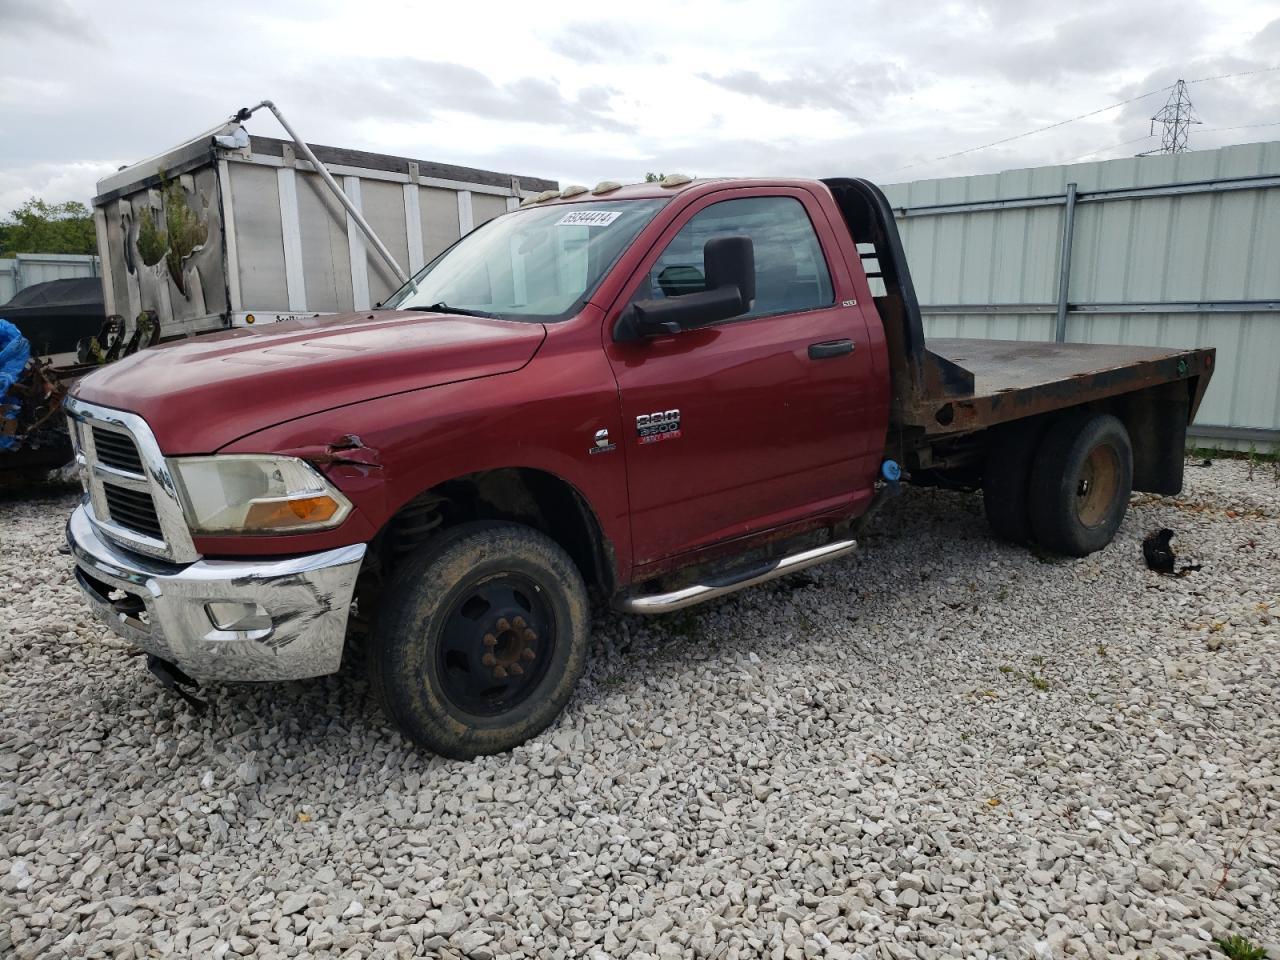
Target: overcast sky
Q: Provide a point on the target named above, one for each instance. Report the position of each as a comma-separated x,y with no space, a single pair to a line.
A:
577,92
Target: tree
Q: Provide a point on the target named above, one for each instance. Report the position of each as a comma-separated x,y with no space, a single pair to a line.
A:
653,177
183,233
40,227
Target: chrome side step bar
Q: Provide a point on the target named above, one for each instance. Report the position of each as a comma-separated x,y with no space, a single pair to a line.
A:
700,592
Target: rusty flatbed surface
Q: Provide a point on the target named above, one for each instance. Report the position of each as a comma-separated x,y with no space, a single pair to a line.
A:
1017,378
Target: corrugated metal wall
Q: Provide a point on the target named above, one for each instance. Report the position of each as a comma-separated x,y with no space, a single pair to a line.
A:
1189,252
24,269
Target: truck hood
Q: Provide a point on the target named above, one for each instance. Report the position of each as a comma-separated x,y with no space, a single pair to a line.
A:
201,393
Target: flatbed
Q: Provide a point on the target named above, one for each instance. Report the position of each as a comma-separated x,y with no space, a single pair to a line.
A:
1013,379
959,408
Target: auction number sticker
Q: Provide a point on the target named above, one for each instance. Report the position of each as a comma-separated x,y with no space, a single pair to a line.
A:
588,218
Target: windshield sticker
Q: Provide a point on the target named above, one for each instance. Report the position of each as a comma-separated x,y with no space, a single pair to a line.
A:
588,218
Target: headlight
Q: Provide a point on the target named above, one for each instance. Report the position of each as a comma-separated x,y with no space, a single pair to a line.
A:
256,494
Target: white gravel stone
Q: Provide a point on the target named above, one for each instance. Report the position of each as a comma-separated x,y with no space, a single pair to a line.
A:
942,747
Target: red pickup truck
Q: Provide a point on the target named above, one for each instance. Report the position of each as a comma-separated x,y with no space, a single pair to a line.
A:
654,394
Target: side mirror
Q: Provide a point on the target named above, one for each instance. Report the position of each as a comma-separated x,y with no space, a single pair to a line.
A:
731,262
730,288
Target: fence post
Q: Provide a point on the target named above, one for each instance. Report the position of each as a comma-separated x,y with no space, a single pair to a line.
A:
1064,264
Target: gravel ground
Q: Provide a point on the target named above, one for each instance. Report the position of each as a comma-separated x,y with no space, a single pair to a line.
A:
945,747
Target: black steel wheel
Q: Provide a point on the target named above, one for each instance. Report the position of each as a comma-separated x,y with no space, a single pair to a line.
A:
496,645
481,638
1080,483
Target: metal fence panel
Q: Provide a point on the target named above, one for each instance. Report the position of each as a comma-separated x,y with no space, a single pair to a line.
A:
24,269
993,271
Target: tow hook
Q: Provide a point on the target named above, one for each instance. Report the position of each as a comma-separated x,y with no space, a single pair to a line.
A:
174,679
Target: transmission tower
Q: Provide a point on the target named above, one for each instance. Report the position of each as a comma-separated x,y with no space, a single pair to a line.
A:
1176,116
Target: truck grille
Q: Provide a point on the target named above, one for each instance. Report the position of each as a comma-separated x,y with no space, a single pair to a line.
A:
117,450
130,492
132,509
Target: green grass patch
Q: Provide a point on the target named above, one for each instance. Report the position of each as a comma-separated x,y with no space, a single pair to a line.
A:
1237,947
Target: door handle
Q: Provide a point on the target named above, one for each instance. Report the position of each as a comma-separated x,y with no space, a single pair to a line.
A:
830,348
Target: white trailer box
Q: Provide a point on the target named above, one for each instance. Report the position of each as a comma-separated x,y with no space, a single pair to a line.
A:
229,227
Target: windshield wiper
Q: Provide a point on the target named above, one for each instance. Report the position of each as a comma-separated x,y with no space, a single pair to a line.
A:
443,307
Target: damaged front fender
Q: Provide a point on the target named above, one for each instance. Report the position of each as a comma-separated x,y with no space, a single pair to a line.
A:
346,450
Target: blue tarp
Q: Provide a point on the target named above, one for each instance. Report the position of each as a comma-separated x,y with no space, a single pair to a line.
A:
14,354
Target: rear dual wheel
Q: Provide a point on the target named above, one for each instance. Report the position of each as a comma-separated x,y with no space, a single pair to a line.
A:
1065,485
1006,482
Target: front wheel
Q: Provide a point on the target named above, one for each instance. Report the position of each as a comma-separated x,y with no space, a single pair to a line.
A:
481,638
1080,483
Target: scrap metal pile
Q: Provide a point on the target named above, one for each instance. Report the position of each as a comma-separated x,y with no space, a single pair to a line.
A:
33,433
31,392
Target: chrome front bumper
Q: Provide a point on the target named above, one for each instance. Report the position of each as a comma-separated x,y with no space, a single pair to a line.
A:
164,607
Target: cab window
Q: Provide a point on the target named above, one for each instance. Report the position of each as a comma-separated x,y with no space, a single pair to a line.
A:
791,274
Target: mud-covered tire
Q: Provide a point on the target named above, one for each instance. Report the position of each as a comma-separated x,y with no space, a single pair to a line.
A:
480,639
1080,483
1006,479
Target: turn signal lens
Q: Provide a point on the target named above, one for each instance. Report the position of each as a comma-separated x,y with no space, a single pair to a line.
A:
273,514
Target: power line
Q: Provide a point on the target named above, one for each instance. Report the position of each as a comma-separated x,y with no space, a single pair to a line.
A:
1148,136
1092,113
1243,126
1122,143
1052,126
1029,133
1242,73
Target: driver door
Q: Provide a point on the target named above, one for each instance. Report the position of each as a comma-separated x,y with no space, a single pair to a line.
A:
739,427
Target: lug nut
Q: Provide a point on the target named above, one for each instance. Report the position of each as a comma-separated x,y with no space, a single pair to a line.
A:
502,625
530,636
526,654
518,623
516,669
489,660
490,640
500,672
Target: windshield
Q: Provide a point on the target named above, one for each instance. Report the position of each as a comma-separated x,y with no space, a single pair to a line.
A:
537,264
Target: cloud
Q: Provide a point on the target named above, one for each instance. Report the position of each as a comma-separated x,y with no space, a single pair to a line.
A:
1096,42
54,182
879,88
1267,40
405,89
43,18
588,43
1042,45
855,90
